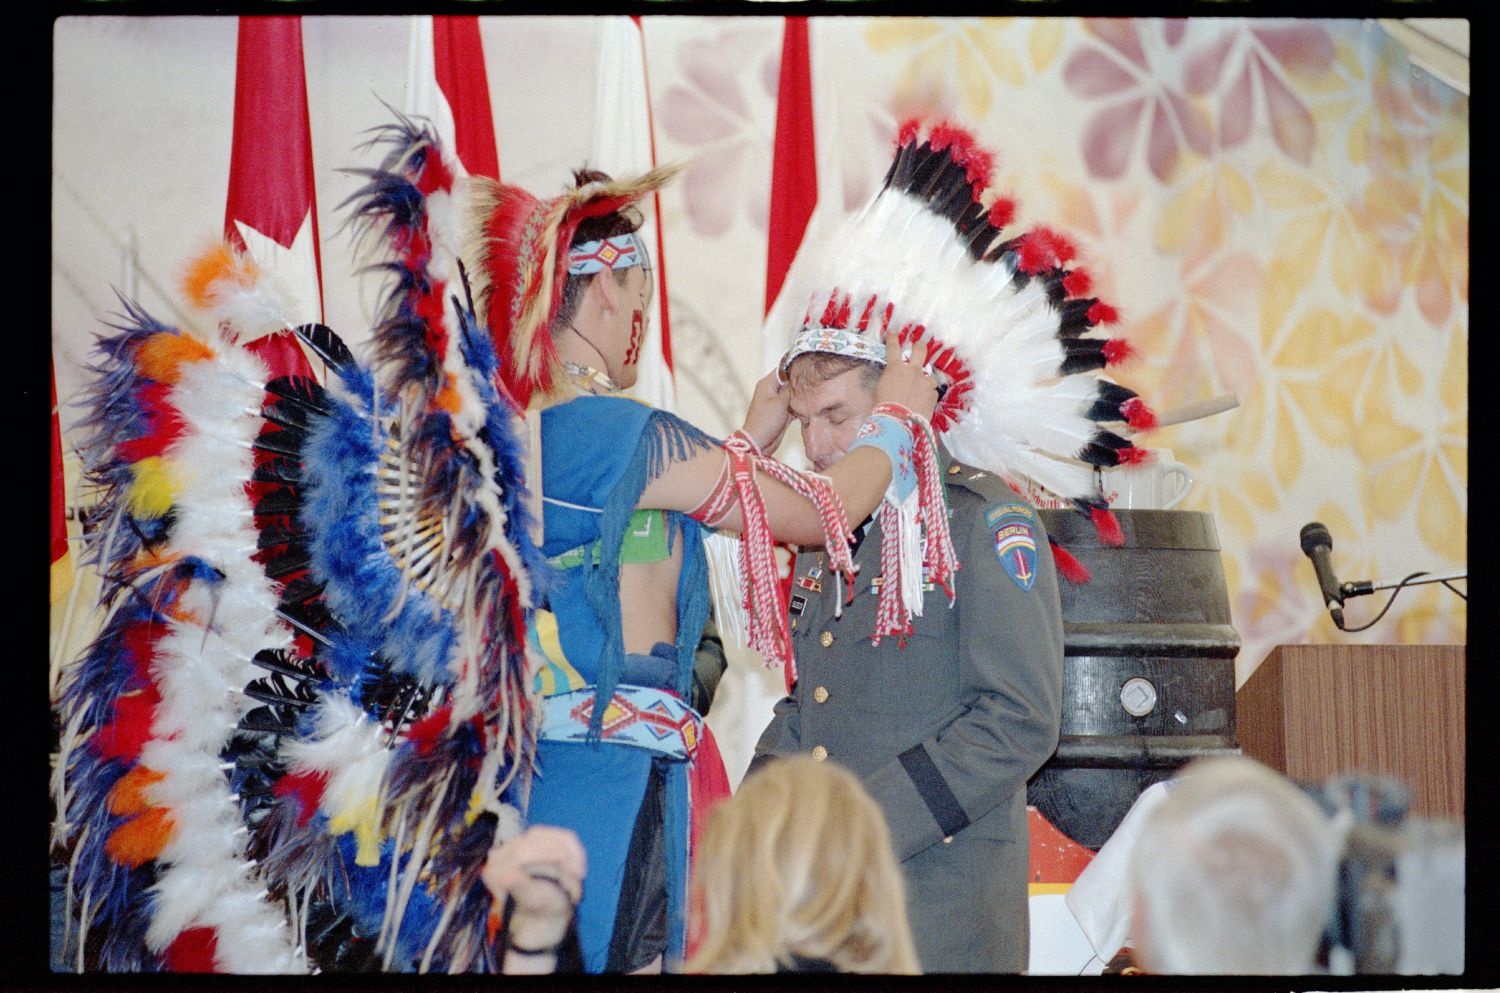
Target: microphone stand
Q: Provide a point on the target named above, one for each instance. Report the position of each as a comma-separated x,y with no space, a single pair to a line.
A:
1368,586
1353,589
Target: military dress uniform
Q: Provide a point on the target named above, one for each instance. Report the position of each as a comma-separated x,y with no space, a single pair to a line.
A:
946,731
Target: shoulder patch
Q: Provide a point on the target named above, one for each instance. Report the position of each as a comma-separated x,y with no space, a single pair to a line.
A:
996,511
1014,528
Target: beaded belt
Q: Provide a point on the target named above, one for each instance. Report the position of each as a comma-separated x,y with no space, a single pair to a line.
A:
641,716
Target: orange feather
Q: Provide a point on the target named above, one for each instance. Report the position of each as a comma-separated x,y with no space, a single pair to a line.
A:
161,356
141,839
128,795
447,397
215,264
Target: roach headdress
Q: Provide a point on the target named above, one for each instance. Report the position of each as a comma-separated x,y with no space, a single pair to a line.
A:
1016,333
522,255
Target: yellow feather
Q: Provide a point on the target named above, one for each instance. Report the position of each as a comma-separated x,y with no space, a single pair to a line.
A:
364,820
155,488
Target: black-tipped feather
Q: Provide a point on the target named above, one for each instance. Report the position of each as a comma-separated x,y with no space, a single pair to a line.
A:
328,346
1103,449
287,441
277,503
1112,396
294,559
1082,355
280,661
300,590
1075,317
278,470
274,535
300,390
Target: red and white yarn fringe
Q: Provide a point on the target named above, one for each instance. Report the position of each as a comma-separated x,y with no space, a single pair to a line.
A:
901,554
767,630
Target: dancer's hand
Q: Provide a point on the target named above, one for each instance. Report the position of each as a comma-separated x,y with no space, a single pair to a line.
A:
907,381
769,415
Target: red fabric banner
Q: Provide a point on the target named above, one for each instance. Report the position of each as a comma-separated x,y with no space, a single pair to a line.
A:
59,489
794,183
458,63
794,171
271,185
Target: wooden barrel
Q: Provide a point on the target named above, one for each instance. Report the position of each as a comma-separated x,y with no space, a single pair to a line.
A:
1148,678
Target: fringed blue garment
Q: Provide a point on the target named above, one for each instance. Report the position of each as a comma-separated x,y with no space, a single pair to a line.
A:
598,455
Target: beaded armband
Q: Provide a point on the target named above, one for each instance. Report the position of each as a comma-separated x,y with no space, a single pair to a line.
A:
914,518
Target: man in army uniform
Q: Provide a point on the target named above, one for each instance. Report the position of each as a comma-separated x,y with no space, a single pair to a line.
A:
945,730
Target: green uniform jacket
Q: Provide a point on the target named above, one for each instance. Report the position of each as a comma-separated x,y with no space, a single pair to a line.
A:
946,731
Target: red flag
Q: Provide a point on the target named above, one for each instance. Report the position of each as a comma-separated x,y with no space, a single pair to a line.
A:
458,65
794,185
62,562
794,171
272,199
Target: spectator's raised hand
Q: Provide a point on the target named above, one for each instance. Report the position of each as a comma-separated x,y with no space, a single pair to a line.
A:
542,870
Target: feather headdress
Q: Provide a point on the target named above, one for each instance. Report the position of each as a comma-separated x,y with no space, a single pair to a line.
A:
1014,329
319,598
521,252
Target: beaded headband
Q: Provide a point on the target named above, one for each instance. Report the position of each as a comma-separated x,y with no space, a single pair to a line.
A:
835,341
620,252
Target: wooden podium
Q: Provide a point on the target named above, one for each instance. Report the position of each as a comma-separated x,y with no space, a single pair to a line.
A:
1316,711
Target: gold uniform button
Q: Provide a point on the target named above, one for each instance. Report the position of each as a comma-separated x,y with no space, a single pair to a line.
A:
954,470
820,694
948,840
819,752
794,623
826,639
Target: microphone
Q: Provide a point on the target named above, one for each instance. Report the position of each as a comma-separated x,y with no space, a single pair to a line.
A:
1317,544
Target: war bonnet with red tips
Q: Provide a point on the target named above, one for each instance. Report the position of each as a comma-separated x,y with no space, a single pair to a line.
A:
1021,351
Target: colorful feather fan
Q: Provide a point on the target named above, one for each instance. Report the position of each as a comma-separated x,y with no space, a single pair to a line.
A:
362,552
159,869
416,529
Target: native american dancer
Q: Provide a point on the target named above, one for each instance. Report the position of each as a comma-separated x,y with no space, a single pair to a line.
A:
309,706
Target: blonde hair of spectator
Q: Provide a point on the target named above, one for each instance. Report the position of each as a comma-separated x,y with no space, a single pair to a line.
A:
799,863
1236,871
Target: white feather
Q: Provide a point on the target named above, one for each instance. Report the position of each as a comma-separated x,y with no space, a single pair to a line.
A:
252,311
203,659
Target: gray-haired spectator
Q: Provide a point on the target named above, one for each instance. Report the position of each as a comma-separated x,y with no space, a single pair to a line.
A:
1235,871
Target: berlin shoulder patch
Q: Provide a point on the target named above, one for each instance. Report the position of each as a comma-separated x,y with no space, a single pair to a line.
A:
1014,528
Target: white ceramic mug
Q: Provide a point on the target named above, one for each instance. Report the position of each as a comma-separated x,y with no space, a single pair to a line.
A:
1158,484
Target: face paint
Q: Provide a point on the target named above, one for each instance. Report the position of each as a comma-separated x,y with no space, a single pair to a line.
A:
637,326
